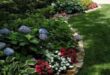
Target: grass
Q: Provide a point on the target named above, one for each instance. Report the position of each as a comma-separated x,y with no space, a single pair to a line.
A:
95,29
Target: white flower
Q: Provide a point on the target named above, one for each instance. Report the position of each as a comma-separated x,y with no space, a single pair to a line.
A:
56,51
64,67
67,64
69,59
57,64
56,68
53,4
59,53
61,68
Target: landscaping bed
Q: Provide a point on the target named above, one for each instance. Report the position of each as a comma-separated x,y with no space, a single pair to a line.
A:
35,40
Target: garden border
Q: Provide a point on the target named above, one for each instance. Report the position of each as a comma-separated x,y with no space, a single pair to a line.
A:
90,10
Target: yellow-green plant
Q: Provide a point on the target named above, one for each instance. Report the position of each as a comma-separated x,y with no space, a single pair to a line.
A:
86,2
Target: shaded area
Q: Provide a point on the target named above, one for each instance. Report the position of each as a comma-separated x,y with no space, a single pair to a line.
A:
105,72
95,28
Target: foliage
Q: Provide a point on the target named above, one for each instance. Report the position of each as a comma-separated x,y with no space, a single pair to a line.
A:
48,12
30,42
19,30
25,5
85,3
17,65
69,6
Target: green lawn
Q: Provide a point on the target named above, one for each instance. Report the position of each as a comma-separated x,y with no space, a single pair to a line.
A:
95,29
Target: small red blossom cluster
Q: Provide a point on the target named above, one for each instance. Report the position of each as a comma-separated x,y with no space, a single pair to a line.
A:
70,52
43,68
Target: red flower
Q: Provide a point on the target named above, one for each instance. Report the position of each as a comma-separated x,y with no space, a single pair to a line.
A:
38,69
43,68
71,53
63,51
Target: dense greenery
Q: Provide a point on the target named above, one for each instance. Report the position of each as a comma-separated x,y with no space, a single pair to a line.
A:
19,41
17,65
69,6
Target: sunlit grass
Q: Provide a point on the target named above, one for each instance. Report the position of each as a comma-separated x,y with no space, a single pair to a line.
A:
95,28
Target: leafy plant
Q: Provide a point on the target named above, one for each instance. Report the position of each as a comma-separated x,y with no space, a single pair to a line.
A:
69,6
17,65
30,43
86,2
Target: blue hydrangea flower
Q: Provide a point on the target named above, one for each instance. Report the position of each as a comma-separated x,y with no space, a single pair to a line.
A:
43,36
2,45
43,31
8,51
24,29
4,31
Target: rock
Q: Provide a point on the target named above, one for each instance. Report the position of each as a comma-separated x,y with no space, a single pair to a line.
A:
77,37
24,29
79,65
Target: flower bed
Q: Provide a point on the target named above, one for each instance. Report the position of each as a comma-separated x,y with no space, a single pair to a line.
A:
48,51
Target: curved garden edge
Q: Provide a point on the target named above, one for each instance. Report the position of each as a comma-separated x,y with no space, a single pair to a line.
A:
90,10
80,54
80,57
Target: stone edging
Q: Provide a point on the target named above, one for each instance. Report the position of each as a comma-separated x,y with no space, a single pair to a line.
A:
80,54
80,57
90,10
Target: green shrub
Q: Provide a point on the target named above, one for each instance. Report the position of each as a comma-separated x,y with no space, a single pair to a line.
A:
47,12
31,5
69,6
30,43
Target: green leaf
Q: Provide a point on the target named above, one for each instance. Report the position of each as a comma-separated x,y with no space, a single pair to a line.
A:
30,70
30,62
1,53
10,59
22,43
28,36
2,62
34,41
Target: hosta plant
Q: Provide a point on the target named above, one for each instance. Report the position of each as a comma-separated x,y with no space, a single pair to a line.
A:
16,65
